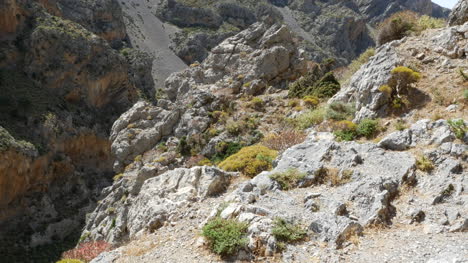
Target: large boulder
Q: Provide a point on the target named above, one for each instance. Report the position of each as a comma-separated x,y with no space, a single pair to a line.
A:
145,201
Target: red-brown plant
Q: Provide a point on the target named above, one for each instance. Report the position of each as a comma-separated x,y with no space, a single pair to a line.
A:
87,251
283,140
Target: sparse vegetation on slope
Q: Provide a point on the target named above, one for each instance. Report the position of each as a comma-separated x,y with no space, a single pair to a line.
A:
225,237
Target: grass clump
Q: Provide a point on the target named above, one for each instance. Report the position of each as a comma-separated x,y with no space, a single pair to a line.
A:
257,104
340,111
458,127
288,179
310,118
225,237
250,160
285,232
424,164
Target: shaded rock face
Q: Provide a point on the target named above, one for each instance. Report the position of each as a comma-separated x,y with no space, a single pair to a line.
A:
146,201
446,49
102,17
248,63
62,86
459,14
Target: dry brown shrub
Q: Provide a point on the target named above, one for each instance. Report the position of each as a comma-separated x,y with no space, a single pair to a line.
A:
283,140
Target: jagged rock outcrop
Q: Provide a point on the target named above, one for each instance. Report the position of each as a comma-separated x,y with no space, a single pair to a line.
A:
350,186
435,52
145,201
248,63
459,14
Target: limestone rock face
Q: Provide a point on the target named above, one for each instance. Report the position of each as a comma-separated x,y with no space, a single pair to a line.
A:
129,209
248,63
459,14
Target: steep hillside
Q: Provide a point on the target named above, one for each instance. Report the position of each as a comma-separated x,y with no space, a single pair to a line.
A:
329,29
62,86
381,175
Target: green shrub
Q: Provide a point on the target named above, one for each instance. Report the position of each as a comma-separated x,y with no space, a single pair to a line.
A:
310,118
225,237
345,130
285,232
458,127
424,164
367,128
326,87
319,82
224,150
183,147
250,160
340,111
288,179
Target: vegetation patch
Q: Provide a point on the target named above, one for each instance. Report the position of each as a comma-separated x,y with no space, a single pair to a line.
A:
225,237
87,251
250,160
288,179
424,164
285,232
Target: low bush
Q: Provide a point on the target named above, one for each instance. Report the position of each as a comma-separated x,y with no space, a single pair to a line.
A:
250,160
458,127
400,125
234,127
319,82
345,130
288,179
283,140
367,128
225,237
224,150
396,27
87,251
183,147
285,232
401,81
311,101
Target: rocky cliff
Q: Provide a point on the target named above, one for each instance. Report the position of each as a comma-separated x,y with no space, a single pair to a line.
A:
62,84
